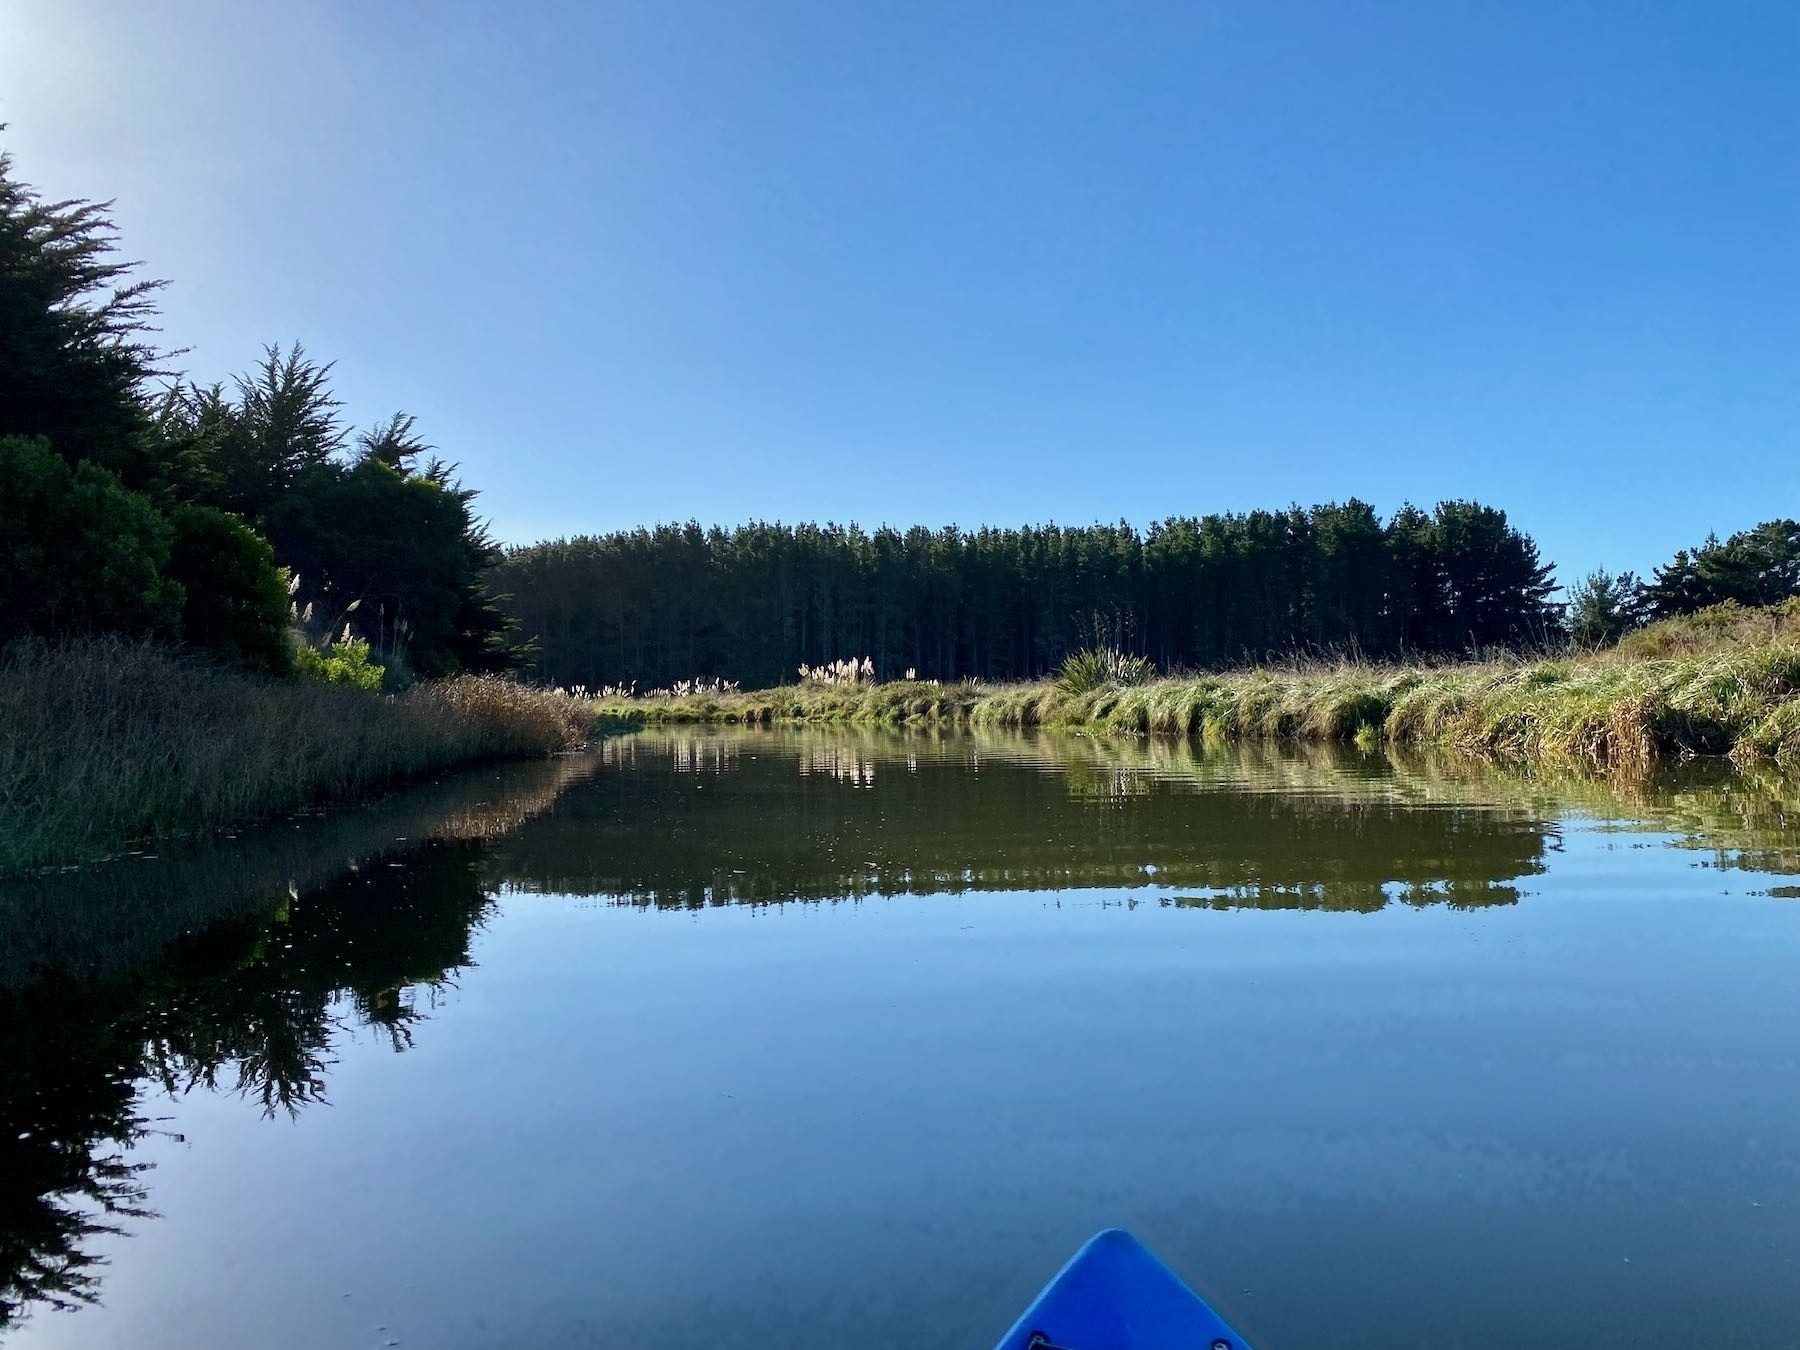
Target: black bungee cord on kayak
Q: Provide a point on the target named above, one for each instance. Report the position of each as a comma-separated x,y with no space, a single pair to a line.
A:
1039,1341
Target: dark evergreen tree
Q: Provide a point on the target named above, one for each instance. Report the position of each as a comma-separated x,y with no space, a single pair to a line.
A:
75,326
399,558
374,540
243,449
1498,589
754,603
1758,566
1604,607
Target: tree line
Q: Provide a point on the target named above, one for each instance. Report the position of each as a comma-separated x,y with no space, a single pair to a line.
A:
243,517
247,519
1758,566
754,603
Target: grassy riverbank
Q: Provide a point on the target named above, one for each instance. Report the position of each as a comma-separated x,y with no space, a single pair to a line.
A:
1725,681
107,743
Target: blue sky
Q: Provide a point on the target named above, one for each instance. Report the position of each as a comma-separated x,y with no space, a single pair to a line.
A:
982,263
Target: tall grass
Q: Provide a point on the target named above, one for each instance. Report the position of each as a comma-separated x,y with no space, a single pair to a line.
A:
896,703
1609,712
1726,681
107,742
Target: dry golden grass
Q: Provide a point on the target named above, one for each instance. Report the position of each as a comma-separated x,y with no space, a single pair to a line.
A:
107,742
1729,624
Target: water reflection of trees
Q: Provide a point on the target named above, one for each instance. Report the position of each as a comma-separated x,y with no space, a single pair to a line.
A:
68,1119
759,818
106,997
1747,818
240,970
251,1006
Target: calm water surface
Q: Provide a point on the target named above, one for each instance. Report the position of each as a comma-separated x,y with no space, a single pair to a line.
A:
714,1040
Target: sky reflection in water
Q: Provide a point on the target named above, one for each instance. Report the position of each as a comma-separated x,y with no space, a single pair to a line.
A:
1377,1053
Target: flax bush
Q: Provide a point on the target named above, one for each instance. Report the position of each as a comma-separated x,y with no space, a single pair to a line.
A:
1096,667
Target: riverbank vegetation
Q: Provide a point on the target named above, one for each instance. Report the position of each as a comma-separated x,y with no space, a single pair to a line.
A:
1725,681
107,742
650,608
216,602
1756,568
240,517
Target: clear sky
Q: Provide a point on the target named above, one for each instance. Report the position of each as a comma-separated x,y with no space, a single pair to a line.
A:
980,262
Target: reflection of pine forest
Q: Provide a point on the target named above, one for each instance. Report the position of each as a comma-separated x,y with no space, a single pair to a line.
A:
825,817
99,1020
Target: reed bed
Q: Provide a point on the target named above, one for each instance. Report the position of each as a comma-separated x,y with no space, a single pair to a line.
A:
1725,682
106,743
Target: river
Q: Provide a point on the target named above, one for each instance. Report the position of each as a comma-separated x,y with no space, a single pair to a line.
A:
712,1039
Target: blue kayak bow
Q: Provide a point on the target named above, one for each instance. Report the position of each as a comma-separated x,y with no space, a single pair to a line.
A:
1115,1295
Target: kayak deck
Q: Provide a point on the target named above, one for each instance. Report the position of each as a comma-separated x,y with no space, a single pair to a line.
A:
1115,1295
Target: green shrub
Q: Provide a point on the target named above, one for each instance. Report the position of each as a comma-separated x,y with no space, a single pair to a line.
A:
1098,667
236,598
345,662
83,554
